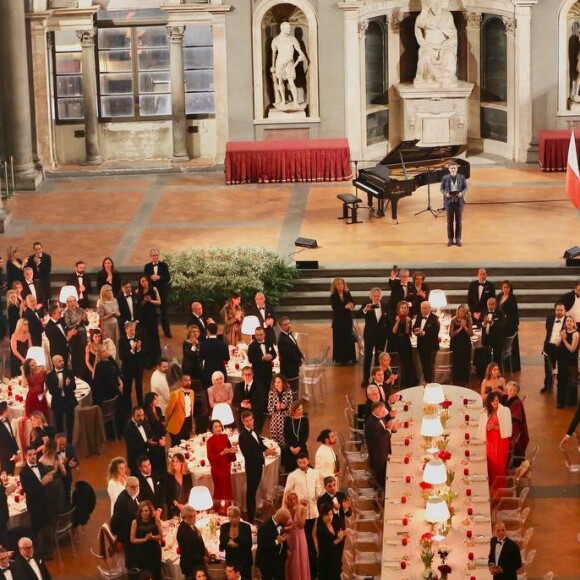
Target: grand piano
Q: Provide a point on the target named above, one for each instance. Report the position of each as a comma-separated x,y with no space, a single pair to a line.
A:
404,169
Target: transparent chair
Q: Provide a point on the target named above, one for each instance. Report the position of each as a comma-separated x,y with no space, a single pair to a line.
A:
64,527
313,387
571,453
530,556
511,507
506,353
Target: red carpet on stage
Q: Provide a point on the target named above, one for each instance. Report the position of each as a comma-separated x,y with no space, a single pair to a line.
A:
283,161
554,149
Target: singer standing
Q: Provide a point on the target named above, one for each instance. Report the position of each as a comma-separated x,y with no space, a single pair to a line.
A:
454,188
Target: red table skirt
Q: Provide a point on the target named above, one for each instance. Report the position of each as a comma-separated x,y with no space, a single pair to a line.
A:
283,161
554,149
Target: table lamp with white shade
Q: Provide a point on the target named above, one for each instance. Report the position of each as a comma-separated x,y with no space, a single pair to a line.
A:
249,325
36,353
200,498
438,301
67,292
436,513
435,473
433,394
223,412
431,427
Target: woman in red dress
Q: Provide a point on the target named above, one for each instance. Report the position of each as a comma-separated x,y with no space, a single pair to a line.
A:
36,397
495,427
220,455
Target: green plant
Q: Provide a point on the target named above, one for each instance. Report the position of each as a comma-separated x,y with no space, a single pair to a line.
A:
210,275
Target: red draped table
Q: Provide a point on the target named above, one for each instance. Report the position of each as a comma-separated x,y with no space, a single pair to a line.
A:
283,161
554,149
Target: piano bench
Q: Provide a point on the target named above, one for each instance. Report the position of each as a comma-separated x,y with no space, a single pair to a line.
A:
350,205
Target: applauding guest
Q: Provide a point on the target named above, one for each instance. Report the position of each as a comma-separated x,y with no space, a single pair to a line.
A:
478,293
520,436
191,365
160,277
107,381
178,484
149,300
75,323
20,342
220,392
138,438
220,454
236,541
35,375
154,420
426,329
378,438
265,314
493,382
132,364
128,306
461,331
272,546
246,393
401,337
325,460
261,355
109,313
61,385
328,545
567,344
82,282
196,318
342,336
108,275
146,536
298,564
279,401
504,554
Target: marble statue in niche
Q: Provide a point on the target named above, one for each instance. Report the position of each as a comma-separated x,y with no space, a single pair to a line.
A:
437,37
574,62
287,55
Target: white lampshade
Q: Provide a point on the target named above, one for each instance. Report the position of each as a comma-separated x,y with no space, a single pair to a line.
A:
36,353
437,299
249,324
431,426
435,473
200,498
433,394
66,292
223,412
437,511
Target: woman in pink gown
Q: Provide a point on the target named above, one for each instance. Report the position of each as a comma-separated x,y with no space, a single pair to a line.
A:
495,427
297,566
36,397
220,455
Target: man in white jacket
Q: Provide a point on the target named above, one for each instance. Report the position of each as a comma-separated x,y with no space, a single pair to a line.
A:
325,460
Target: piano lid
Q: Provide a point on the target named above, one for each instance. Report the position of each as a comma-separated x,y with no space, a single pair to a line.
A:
408,153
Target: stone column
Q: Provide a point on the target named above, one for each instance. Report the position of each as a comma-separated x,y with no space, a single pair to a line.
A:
510,30
394,72
220,79
523,81
89,80
178,120
15,91
41,51
473,27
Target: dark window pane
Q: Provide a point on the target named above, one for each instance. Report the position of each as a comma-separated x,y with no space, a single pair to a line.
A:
198,57
117,106
68,63
198,35
378,127
69,86
116,84
154,105
152,36
494,124
70,109
114,38
199,80
153,59
376,63
115,61
199,103
494,61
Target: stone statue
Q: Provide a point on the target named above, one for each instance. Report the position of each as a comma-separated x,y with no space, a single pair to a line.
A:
284,68
437,37
574,62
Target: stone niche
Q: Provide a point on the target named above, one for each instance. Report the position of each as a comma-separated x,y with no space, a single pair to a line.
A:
285,62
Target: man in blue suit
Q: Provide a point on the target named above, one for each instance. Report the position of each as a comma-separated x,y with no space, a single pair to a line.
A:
454,188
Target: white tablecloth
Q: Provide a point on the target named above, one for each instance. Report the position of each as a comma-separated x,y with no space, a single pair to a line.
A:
17,510
239,359
397,487
195,452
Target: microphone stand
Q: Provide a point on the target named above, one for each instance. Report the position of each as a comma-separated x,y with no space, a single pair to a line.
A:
434,212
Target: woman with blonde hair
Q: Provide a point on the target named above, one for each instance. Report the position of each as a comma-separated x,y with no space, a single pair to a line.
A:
117,472
402,339
297,564
178,484
20,342
233,315
13,310
108,309
14,266
342,305
220,392
75,319
460,332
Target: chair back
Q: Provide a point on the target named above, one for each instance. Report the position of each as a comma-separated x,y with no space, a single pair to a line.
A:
22,428
108,408
64,522
571,453
302,340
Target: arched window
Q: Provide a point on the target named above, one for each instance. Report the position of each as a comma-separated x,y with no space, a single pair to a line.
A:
376,81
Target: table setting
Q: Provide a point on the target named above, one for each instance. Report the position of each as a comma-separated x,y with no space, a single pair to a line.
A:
239,359
17,509
437,513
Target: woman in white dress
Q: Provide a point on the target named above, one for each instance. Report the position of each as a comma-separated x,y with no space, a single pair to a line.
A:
117,479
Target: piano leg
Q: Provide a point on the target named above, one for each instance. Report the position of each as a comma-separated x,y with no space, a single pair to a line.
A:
381,207
370,202
394,204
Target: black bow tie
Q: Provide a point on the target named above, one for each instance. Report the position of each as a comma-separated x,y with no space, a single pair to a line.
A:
482,283
558,320
500,542
59,372
148,477
33,466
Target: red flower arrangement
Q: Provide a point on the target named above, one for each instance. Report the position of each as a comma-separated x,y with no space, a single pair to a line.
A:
444,455
445,570
446,404
425,486
426,535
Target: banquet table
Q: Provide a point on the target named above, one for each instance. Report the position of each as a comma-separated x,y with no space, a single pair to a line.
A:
554,149
209,528
408,442
17,510
195,452
288,160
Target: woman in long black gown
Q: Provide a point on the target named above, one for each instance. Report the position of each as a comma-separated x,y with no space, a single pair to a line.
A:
507,304
328,543
191,364
402,340
461,331
296,431
146,537
567,346
342,336
149,300
154,418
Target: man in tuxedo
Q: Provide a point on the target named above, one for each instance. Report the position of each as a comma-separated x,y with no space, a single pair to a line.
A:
150,484
340,502
132,364
180,412
291,357
426,329
378,439
261,354
67,453
6,566
34,478
34,313
254,450
375,313
246,394
571,301
401,289
504,554
61,385
137,437
58,337
8,444
493,330
383,389
194,554
128,306
454,188
214,354
41,264
265,314
30,286
27,565
234,572
478,293
82,282
158,272
124,512
272,546
196,318
554,326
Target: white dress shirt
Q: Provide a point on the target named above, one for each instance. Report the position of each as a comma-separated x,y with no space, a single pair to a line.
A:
556,329
34,565
307,486
325,461
160,387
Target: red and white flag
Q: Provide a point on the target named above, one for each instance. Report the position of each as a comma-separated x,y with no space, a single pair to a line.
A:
573,173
